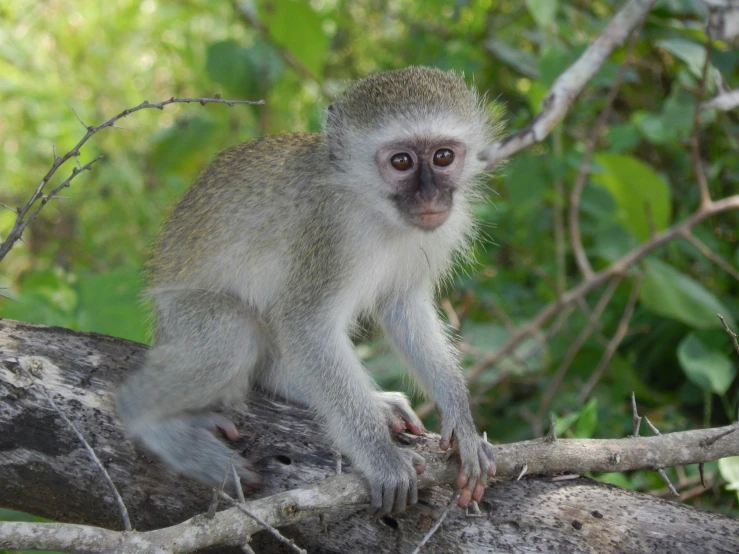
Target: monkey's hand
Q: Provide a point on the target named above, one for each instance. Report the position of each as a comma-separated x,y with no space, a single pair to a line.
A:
391,472
476,460
399,414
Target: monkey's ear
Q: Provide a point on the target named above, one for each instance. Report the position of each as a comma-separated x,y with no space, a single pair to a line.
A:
333,117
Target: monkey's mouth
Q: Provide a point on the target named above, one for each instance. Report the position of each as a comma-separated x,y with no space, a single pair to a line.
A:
430,219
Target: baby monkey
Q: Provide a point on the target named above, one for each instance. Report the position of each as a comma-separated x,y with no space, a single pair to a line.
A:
281,244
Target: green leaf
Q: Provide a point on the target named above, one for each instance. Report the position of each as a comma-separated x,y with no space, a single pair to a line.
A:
294,25
669,293
45,297
588,420
729,468
709,369
244,71
650,125
110,304
543,11
642,196
622,137
692,53
526,358
520,60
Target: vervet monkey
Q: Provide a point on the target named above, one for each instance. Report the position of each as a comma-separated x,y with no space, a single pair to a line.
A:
281,244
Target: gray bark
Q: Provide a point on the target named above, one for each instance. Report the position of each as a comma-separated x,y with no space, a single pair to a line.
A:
46,471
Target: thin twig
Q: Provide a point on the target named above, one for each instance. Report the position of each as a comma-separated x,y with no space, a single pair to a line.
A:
121,505
621,330
667,481
582,173
711,255
619,267
700,174
271,530
731,333
635,417
573,350
442,517
26,214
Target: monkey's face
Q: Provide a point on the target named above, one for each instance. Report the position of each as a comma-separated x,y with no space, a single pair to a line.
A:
421,177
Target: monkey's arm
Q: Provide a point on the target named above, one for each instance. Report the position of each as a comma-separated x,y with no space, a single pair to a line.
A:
318,367
412,324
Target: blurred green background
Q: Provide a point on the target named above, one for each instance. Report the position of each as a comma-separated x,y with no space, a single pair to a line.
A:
80,265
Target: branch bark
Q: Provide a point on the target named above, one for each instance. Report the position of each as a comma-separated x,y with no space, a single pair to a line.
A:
45,469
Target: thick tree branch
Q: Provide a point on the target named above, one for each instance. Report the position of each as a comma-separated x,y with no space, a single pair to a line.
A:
45,470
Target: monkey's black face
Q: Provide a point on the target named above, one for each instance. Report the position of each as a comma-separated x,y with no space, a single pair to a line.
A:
422,176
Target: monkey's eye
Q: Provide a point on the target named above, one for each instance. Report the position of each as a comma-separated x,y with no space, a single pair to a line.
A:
401,161
443,157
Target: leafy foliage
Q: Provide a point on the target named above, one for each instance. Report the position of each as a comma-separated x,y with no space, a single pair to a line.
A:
80,265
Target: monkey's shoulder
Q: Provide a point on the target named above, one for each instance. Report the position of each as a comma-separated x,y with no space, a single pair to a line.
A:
274,153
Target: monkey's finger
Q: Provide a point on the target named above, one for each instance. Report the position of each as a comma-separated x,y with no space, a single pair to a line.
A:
388,499
418,463
462,478
487,459
375,498
410,419
478,491
401,495
413,493
464,498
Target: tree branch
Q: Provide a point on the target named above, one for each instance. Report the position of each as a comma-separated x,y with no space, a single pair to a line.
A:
570,83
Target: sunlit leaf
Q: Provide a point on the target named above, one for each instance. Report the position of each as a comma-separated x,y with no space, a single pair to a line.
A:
729,468
709,369
294,25
668,292
543,11
588,420
642,196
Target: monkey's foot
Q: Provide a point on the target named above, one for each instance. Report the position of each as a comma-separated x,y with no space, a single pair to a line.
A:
189,444
399,414
477,463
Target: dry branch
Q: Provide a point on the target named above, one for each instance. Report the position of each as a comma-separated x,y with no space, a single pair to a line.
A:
26,214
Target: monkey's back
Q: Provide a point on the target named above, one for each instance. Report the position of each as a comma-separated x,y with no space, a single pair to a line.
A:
228,232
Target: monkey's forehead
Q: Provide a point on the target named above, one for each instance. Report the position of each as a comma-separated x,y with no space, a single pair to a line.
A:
421,90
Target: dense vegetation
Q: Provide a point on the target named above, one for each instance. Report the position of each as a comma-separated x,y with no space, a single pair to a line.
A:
80,264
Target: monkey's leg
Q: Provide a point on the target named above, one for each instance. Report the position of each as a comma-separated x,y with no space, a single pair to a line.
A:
318,367
414,327
206,348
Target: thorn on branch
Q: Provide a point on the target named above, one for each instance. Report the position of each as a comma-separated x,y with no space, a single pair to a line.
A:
274,532
635,416
731,333
667,481
701,470
523,472
552,435
651,426
717,437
